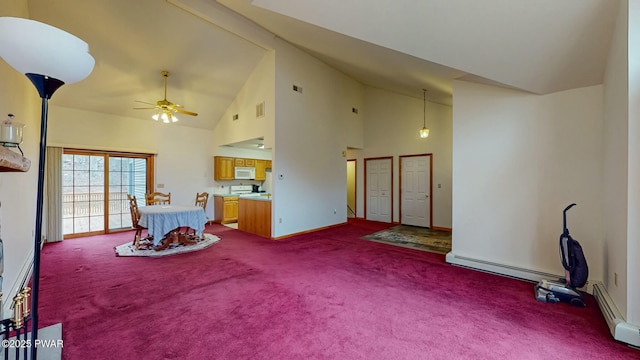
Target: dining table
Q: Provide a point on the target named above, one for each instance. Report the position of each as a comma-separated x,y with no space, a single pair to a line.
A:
164,221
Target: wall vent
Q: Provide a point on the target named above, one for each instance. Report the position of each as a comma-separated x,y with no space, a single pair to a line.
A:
260,110
235,117
297,88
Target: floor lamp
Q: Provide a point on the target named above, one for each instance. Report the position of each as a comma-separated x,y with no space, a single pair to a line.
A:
50,58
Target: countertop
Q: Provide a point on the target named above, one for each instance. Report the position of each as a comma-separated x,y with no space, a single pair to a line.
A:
250,196
256,196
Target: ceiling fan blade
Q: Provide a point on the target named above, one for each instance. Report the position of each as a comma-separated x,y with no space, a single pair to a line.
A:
147,108
186,112
144,102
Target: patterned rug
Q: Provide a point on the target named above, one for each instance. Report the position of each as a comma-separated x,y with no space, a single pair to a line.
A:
414,237
146,249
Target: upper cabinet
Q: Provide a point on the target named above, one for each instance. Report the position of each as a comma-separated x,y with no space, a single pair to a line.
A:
223,168
261,169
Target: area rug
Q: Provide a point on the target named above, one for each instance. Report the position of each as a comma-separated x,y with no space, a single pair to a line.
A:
128,249
414,237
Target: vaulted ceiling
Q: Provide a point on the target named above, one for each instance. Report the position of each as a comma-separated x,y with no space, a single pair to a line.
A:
210,47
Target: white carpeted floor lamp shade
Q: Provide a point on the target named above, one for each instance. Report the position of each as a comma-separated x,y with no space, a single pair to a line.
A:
49,57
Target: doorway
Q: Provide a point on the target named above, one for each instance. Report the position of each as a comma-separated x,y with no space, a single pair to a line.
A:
351,188
95,187
415,190
378,189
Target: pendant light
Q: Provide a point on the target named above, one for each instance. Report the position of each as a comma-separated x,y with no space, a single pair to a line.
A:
424,132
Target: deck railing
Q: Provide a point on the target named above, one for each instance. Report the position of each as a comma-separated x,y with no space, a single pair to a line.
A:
86,204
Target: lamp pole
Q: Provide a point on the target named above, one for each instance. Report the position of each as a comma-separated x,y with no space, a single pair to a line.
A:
46,86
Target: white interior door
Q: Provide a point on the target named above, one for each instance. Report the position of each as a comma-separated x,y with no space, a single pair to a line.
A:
415,207
379,190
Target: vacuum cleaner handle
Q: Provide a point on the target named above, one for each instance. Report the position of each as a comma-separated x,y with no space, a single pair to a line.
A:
564,218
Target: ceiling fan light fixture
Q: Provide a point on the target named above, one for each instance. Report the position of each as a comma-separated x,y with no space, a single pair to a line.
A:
165,109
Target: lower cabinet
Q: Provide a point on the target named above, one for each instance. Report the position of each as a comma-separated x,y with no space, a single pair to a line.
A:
255,217
225,209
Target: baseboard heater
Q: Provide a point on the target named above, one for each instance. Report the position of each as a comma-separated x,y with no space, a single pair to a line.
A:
504,270
619,328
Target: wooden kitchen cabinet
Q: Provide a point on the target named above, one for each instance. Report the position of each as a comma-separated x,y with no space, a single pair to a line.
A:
250,162
238,162
225,209
255,217
261,169
223,168
268,164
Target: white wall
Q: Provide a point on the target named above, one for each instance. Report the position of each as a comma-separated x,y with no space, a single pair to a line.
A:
633,235
615,171
18,189
518,160
184,161
392,124
312,129
259,87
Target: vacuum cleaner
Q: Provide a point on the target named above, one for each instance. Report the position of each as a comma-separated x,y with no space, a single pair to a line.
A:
576,272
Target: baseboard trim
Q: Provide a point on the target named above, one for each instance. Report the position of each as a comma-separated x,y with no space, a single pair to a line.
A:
440,228
619,328
306,231
18,285
506,270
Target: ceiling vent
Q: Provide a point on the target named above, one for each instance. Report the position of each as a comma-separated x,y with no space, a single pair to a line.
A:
297,88
235,117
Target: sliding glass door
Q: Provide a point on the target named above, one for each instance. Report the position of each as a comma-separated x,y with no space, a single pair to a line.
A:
95,187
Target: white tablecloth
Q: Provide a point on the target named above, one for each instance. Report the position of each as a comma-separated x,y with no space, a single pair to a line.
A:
162,219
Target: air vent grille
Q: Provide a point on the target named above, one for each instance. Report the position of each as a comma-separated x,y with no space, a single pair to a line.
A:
260,110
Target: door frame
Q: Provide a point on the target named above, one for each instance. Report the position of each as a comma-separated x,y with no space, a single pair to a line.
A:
430,157
355,187
107,154
365,184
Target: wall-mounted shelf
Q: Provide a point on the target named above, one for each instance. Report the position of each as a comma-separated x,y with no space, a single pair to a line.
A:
12,161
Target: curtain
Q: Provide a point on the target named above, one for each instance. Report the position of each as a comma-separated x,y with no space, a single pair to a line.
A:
53,189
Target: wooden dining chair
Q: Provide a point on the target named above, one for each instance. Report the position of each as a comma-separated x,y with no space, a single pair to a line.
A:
201,199
158,198
135,219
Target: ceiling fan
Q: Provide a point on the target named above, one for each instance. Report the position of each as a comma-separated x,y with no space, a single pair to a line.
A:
165,109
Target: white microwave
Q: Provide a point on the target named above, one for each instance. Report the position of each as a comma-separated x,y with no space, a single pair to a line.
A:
241,172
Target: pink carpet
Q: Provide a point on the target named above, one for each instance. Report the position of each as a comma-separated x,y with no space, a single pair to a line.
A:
323,295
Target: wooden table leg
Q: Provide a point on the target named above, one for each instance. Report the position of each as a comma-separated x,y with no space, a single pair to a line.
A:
174,237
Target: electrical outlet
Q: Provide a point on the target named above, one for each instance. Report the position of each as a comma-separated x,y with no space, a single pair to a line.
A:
335,211
280,220
160,186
